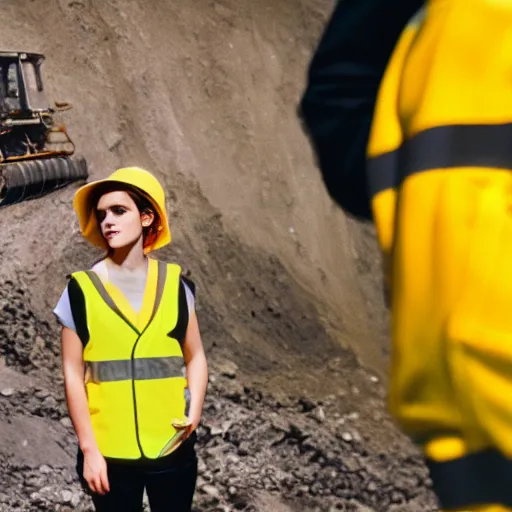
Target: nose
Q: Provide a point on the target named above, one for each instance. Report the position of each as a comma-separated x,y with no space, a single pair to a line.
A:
108,220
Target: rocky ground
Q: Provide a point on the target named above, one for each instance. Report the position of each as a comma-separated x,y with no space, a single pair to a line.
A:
256,451
259,449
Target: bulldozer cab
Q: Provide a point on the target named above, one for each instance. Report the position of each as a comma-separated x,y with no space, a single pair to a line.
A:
21,86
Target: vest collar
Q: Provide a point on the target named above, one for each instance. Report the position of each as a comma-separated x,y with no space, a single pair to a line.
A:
116,300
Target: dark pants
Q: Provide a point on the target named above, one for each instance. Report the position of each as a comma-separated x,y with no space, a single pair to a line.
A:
169,482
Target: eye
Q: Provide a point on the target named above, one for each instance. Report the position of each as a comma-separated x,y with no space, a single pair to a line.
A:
118,210
100,215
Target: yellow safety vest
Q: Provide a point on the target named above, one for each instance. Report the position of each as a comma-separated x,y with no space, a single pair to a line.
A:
134,364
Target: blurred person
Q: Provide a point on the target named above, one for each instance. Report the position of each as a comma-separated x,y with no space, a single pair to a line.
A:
439,185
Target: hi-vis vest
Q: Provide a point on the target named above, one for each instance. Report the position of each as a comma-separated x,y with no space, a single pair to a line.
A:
134,363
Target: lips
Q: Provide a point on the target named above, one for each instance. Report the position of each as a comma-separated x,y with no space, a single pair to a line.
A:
111,234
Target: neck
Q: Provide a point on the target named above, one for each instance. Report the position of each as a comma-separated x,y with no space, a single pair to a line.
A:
131,257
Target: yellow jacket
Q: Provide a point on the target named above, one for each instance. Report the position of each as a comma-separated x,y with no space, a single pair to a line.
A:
439,167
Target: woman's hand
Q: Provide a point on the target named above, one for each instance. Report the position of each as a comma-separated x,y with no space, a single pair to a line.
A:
95,471
194,423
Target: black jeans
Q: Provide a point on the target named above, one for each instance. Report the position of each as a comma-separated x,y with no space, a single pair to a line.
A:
169,482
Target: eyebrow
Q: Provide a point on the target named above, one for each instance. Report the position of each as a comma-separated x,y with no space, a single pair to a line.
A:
116,205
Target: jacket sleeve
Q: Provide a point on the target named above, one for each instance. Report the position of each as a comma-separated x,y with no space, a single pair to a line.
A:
343,80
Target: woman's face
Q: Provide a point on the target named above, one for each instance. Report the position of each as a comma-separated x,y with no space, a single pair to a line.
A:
120,221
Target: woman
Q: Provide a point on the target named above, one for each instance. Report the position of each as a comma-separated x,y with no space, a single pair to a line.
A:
129,326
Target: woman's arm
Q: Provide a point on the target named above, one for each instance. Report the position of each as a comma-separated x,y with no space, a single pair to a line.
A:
95,469
197,370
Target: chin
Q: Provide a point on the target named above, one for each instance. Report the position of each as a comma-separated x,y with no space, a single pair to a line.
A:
120,244
117,245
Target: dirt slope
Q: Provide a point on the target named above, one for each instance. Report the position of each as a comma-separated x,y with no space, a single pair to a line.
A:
203,94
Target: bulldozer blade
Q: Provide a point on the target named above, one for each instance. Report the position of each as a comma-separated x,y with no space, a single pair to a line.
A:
34,178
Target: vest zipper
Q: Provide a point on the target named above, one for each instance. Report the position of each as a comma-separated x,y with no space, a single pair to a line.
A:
135,400
134,394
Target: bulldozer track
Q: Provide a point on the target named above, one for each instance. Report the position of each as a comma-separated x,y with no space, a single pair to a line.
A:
33,178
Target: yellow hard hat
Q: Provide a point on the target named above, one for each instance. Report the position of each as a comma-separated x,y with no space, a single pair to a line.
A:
136,177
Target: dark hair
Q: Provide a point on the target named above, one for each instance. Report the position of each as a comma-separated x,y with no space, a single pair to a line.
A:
141,200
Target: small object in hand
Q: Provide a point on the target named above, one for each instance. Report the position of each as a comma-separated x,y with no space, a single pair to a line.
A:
182,427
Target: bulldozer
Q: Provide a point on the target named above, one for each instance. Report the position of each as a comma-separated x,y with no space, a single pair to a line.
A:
35,150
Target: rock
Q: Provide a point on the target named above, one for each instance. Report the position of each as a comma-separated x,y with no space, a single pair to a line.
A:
34,481
7,392
351,464
232,490
233,390
372,487
45,469
50,402
201,466
216,431
113,140
68,477
66,422
66,496
228,369
244,449
232,459
279,423
307,404
297,432
212,491
226,425
347,436
76,499
41,393
303,489
319,414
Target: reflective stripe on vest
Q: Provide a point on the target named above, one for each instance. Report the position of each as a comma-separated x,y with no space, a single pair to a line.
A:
137,369
134,379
